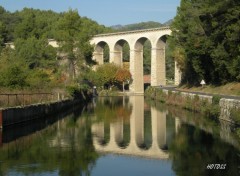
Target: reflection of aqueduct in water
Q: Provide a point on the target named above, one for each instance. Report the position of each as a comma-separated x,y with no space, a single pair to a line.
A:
136,147
136,40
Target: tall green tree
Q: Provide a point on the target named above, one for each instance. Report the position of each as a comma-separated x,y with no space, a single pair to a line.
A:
13,72
35,23
74,43
206,38
35,52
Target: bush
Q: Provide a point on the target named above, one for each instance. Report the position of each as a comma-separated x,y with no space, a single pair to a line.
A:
238,132
38,79
13,77
216,99
235,115
74,91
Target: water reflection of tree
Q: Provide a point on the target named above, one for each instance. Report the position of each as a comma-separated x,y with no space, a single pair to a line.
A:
34,154
193,149
112,109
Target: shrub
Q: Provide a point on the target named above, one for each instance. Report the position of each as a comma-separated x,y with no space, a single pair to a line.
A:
235,115
74,91
216,99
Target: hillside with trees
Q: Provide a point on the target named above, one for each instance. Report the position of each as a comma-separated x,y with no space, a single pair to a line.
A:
205,41
137,26
33,64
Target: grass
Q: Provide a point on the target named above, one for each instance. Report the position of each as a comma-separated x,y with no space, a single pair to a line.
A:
227,89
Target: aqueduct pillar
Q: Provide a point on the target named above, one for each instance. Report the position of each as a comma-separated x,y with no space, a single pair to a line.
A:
158,70
136,69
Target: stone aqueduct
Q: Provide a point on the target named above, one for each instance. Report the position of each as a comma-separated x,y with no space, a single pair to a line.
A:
135,40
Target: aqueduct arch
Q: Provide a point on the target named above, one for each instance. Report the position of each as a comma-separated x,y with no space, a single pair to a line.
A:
135,39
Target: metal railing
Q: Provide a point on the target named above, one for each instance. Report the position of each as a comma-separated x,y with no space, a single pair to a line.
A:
23,99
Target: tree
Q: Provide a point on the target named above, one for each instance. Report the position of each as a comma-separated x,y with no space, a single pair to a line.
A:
12,71
123,76
106,73
36,53
30,30
206,34
2,31
73,41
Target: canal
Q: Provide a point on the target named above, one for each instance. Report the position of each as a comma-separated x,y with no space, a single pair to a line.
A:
115,136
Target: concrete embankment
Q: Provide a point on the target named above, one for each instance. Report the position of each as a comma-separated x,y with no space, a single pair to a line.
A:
228,106
229,109
15,115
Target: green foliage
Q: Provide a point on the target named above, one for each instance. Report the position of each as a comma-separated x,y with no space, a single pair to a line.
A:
38,79
235,115
238,132
73,90
147,58
170,65
35,61
35,52
79,91
107,73
205,41
2,34
155,94
13,77
126,52
35,23
12,72
73,34
216,99
92,77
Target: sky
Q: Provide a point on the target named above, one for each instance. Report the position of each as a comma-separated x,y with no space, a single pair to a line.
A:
105,12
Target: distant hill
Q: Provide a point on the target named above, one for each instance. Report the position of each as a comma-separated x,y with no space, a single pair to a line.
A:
168,23
139,26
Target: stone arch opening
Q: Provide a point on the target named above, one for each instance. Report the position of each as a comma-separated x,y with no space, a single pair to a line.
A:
158,69
169,61
139,57
101,54
121,52
163,63
122,58
147,131
143,125
123,112
124,140
104,139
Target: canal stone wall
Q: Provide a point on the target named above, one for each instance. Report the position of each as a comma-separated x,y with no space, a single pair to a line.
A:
15,115
226,105
207,98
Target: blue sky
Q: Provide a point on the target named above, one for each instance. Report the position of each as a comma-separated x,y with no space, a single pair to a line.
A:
106,12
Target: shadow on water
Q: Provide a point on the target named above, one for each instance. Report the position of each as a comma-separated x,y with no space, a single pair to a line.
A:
58,145
13,132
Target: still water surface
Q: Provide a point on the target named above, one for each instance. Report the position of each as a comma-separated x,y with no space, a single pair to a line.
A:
115,136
